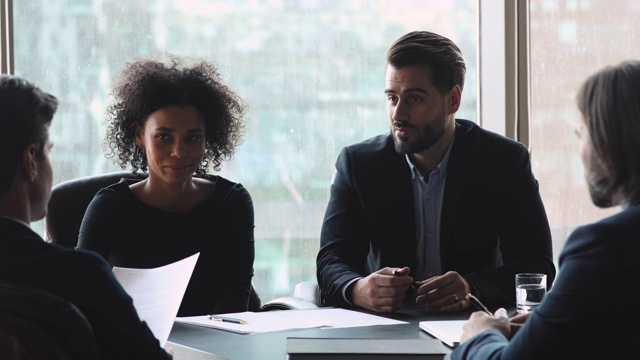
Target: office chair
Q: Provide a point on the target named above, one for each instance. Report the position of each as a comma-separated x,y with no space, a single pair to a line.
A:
306,295
69,201
35,324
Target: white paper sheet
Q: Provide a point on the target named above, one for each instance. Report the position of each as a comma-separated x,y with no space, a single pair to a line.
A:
260,322
157,293
448,331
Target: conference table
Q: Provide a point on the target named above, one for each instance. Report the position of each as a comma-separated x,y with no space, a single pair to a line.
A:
196,342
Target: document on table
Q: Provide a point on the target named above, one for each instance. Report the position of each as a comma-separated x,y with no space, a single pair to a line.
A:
282,320
157,293
449,331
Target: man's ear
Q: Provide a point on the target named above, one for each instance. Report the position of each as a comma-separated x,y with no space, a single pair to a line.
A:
455,95
30,162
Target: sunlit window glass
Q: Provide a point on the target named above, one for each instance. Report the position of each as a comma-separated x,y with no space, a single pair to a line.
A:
311,72
570,40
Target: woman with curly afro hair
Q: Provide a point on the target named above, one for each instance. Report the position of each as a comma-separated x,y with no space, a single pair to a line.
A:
172,122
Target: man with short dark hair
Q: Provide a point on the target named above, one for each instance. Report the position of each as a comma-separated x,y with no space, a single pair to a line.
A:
439,199
82,278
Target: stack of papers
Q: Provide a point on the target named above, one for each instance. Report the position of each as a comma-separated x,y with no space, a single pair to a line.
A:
283,320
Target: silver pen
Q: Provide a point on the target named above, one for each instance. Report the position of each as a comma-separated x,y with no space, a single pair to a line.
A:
226,319
414,284
478,304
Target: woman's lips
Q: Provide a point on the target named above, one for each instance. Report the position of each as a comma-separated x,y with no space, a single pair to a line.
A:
178,168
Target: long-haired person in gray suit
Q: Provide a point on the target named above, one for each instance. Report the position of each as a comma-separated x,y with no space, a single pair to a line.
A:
592,306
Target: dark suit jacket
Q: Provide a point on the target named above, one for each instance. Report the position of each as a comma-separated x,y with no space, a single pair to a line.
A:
493,222
84,279
591,311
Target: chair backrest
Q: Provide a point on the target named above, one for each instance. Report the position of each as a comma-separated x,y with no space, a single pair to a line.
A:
35,324
69,201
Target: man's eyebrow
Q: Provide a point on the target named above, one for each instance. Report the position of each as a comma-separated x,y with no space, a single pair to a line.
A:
409,90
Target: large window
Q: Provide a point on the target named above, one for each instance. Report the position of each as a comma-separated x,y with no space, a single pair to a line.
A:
312,73
569,41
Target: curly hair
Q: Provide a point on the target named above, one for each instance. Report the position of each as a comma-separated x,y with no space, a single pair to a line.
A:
145,86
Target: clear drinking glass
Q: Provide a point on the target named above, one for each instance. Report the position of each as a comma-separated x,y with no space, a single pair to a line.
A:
530,290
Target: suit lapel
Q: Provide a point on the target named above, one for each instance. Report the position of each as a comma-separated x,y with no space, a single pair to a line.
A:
398,201
454,189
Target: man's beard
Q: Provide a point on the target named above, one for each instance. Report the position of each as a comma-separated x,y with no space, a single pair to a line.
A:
597,183
429,135
599,197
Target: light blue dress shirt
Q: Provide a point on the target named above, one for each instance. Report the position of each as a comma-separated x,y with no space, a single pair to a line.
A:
427,202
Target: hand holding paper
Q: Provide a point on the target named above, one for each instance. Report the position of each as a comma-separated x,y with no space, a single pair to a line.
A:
157,293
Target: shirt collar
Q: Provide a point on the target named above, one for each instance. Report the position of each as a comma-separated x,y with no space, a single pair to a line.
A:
442,166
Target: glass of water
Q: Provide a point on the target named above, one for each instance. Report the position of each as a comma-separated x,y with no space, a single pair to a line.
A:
530,290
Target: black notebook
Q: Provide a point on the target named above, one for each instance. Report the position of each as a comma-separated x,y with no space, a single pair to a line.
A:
370,349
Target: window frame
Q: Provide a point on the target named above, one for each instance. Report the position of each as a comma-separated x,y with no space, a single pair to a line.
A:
503,101
6,36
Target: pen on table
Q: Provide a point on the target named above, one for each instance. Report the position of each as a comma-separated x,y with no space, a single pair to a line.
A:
479,305
226,319
414,284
